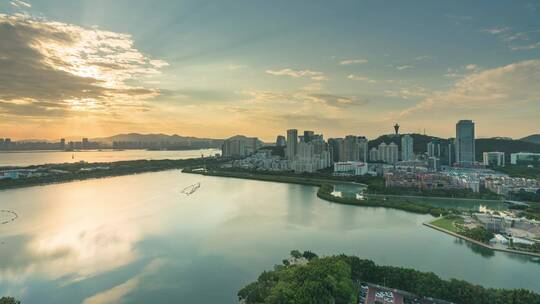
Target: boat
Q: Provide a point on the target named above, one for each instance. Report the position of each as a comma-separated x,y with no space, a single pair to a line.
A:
191,189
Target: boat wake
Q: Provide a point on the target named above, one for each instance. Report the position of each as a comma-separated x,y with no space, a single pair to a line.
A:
191,189
10,216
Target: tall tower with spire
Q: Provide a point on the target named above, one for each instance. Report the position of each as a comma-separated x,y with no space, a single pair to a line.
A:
396,128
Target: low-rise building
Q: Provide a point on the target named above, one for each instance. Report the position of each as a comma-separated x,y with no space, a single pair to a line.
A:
350,168
524,158
494,159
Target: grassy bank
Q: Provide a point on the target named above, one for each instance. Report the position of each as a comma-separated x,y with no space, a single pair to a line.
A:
325,192
326,188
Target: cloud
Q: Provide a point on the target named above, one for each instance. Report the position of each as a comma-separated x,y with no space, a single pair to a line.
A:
314,75
118,292
512,87
360,78
353,61
409,92
403,67
49,67
302,97
471,67
19,3
496,30
400,67
516,41
531,46
338,101
423,57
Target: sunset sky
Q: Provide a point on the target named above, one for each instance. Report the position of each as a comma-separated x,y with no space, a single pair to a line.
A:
220,68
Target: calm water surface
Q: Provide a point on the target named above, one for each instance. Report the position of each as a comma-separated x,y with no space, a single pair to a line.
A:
137,239
27,158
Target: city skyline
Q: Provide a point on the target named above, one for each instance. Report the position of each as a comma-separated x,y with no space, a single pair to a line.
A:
90,69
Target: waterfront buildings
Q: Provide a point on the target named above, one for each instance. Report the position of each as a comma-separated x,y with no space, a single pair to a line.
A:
350,168
387,153
407,148
240,146
493,159
525,158
307,153
335,145
353,148
465,145
292,144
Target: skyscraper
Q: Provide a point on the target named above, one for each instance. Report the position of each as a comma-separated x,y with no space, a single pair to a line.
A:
465,142
281,141
407,148
335,147
308,136
388,153
354,148
434,148
292,144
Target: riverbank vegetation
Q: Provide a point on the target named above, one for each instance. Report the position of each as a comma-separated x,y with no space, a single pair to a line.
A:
520,171
405,204
59,173
531,211
335,279
454,223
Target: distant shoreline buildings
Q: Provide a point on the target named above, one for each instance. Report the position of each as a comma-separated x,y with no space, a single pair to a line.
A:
445,164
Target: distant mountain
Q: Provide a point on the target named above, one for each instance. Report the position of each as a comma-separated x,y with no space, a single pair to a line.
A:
535,138
152,138
161,138
504,145
420,141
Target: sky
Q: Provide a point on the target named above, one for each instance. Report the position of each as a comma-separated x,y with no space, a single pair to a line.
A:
220,68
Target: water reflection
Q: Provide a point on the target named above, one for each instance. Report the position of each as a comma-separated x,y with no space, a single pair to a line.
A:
136,239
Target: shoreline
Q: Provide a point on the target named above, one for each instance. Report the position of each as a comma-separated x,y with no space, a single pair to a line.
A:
532,254
338,200
324,193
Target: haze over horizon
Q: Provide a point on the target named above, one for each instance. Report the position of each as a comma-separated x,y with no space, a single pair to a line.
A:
99,68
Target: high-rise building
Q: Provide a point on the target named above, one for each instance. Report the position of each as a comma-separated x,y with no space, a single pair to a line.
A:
62,143
353,148
308,136
448,152
434,148
363,149
374,154
239,146
465,147
281,141
407,148
312,155
335,145
493,159
388,153
292,144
